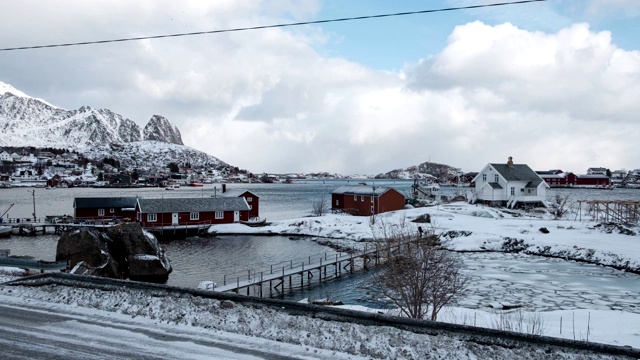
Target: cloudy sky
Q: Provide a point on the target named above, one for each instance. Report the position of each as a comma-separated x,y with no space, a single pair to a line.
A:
550,83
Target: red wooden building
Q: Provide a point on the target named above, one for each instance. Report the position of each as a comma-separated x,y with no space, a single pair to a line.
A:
366,200
558,178
102,208
595,180
252,199
188,213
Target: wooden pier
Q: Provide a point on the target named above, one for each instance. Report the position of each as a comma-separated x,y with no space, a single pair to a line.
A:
275,280
33,227
620,211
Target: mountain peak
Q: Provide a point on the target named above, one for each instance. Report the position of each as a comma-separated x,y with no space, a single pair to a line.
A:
7,88
160,129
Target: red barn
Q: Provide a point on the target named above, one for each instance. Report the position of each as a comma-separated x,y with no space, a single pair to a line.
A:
559,179
366,200
99,208
595,180
252,199
186,213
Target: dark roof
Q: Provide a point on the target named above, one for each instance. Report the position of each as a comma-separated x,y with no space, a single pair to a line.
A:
235,193
495,185
105,202
518,172
361,190
208,204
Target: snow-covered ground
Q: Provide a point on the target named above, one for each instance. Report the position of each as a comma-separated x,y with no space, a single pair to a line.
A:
467,227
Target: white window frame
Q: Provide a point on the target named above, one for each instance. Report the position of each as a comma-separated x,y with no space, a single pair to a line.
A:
355,197
373,210
112,210
219,215
100,212
337,202
484,177
152,217
497,178
249,199
194,216
361,198
373,197
250,207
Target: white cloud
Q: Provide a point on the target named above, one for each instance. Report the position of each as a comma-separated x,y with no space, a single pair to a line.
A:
268,101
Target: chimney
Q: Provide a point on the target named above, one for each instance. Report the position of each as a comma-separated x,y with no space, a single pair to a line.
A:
224,188
510,161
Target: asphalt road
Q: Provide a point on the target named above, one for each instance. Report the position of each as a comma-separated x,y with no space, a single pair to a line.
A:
38,331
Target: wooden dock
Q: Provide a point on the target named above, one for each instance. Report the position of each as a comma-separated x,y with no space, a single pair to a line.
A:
274,281
27,227
621,211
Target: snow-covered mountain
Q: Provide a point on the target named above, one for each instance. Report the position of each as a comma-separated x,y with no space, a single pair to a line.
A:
150,153
95,133
161,129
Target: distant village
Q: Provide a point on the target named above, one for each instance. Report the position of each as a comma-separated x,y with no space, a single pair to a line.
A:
61,168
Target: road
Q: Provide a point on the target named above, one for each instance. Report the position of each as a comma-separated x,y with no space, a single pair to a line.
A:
47,331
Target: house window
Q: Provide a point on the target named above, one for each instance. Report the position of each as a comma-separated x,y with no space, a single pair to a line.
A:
372,210
372,199
152,217
194,216
249,199
112,210
361,197
355,197
337,202
497,177
100,212
513,191
219,214
250,207
484,177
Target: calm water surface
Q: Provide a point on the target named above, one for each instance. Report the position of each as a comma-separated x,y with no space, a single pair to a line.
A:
539,283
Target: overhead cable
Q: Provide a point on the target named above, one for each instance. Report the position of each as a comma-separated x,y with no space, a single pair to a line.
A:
270,26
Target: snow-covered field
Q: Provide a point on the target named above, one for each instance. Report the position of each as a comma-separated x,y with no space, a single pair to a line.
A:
467,227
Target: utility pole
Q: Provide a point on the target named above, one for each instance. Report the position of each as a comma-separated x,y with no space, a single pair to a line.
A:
33,195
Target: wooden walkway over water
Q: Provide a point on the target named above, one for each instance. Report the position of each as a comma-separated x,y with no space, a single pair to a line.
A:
275,280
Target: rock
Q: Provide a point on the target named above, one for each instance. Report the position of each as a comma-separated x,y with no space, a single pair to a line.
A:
90,247
122,251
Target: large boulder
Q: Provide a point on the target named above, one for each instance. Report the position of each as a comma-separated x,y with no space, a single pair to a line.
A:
136,253
140,249
90,248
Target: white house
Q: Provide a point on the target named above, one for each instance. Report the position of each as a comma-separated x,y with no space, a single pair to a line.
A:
597,171
511,185
4,156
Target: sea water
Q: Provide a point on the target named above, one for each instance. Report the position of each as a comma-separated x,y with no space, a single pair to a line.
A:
542,283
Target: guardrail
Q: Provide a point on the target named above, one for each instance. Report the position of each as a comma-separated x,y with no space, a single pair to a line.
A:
34,264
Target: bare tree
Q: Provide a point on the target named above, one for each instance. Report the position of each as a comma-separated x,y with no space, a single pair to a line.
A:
559,206
419,275
319,207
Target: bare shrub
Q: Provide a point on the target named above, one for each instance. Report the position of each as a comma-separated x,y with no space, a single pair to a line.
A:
419,275
519,321
559,206
319,207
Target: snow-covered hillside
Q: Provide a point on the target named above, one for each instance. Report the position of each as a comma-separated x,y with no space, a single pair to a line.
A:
150,153
96,133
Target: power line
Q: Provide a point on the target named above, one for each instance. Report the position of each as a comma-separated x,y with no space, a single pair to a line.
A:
271,26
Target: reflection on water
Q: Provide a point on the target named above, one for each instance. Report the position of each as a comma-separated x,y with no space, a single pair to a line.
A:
210,258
